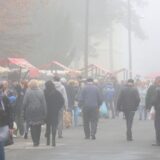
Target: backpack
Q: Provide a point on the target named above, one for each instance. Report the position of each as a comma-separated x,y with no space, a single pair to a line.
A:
109,92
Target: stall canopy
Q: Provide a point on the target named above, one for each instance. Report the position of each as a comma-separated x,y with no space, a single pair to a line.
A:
22,63
153,75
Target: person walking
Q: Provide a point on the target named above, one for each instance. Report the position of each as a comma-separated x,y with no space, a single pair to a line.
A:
62,90
90,100
109,95
35,110
6,118
153,99
55,102
128,102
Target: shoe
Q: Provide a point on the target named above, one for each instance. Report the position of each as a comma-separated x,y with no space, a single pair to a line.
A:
26,136
87,137
36,144
156,144
53,143
129,139
93,137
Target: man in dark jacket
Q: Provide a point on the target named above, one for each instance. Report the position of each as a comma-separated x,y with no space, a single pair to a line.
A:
90,101
128,102
153,99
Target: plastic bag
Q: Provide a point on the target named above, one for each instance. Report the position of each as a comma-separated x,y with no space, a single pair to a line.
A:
152,114
103,110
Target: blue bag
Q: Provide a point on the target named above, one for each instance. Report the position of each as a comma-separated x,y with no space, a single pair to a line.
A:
103,110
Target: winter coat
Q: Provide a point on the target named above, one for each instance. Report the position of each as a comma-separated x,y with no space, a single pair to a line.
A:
34,105
128,99
6,117
62,90
90,97
156,100
71,94
150,96
55,102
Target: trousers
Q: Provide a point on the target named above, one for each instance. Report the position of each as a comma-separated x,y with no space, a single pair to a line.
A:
90,121
129,115
36,133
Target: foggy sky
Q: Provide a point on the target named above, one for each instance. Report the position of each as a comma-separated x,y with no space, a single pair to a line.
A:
146,54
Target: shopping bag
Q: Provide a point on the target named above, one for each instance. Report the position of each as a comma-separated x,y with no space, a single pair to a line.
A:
103,110
67,118
4,133
152,114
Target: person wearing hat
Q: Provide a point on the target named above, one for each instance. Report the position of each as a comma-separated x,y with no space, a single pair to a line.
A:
128,102
90,100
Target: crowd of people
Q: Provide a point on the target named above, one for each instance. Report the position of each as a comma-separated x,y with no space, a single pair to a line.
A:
28,106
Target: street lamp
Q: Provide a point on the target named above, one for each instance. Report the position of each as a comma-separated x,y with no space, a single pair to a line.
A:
86,37
130,37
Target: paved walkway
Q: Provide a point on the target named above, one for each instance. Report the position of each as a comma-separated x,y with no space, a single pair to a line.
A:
110,144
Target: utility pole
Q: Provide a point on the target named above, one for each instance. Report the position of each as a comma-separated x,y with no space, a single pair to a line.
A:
130,37
86,50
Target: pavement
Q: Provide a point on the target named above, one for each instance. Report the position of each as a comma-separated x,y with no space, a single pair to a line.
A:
110,144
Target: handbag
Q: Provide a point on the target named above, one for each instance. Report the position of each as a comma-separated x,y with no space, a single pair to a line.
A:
152,114
4,133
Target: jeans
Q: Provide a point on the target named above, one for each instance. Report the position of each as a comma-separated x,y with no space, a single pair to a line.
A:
142,112
2,155
60,122
129,115
110,106
75,114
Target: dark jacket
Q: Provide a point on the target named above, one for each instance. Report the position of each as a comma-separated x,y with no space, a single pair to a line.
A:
90,97
55,102
6,117
128,99
156,100
34,105
71,93
150,96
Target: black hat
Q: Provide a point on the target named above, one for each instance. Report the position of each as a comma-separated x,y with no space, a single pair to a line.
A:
56,79
131,81
90,79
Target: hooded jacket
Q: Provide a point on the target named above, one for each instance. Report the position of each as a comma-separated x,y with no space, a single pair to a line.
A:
62,90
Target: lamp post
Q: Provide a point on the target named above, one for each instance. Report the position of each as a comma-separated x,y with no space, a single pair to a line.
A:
130,37
86,37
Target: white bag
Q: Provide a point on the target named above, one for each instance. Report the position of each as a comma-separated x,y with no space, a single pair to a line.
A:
152,114
4,133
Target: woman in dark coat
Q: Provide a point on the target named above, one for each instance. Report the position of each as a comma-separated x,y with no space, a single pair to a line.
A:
34,110
55,102
6,118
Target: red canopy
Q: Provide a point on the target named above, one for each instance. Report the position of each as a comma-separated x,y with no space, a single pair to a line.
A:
33,71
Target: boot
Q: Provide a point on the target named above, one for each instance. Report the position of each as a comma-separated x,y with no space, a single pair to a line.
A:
48,140
53,142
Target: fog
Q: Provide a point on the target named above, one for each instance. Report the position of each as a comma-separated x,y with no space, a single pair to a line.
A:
54,30
147,53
